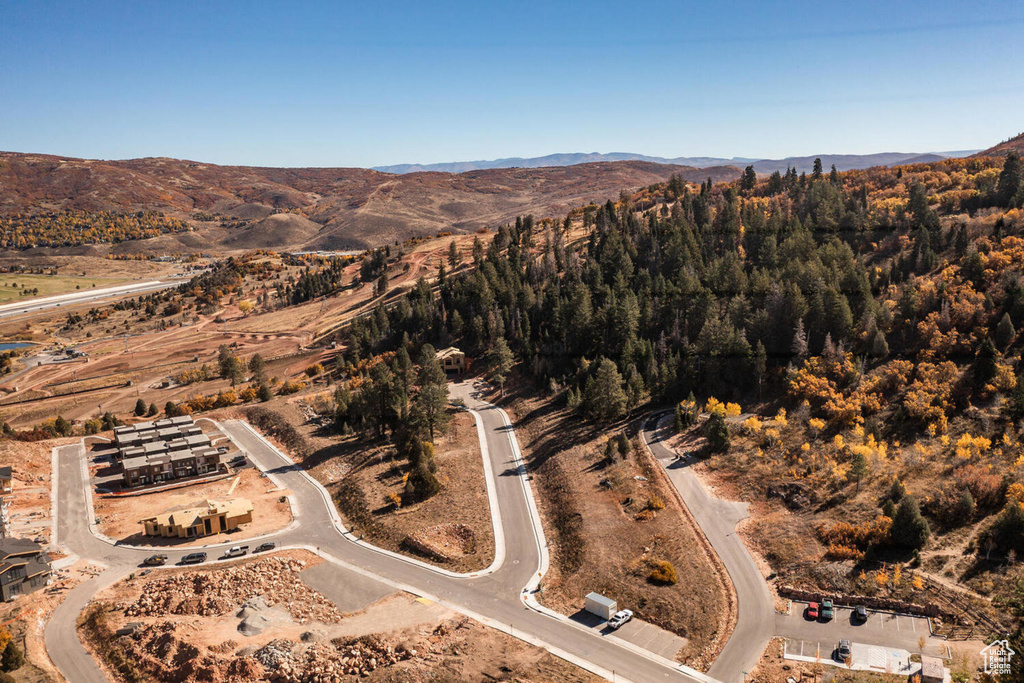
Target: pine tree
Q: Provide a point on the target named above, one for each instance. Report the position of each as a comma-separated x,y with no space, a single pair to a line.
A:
430,406
760,365
858,467
62,426
799,347
749,179
1005,332
453,255
985,363
499,361
1011,181
604,399
717,432
816,172
140,408
910,530
879,345
153,410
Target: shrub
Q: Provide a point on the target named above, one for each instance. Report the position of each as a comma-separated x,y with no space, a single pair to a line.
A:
12,658
655,503
663,573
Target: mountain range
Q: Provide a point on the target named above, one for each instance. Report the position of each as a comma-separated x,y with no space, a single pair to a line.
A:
843,162
314,208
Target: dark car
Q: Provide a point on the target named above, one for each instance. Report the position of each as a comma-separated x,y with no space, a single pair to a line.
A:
155,560
264,547
827,611
194,558
860,614
844,652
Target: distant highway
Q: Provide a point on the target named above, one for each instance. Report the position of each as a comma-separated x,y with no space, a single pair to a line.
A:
84,296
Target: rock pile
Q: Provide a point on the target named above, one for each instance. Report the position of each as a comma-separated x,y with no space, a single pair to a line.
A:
216,592
328,663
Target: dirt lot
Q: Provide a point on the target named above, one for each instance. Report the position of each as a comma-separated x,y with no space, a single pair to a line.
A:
187,629
622,511
452,529
30,503
360,474
119,516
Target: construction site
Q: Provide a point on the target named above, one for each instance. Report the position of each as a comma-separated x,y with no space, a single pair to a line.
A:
272,619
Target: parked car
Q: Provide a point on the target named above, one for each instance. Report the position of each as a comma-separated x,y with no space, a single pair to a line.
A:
194,558
812,611
155,560
827,611
844,652
860,614
620,618
264,547
237,551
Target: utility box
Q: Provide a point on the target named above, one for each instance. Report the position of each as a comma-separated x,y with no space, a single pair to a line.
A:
601,606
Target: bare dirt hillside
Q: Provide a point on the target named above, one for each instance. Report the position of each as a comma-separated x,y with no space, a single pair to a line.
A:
345,207
1001,150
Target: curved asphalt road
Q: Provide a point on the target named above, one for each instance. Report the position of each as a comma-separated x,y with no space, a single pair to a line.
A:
755,621
498,599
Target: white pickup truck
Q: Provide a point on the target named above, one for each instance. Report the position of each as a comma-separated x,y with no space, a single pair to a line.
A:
237,551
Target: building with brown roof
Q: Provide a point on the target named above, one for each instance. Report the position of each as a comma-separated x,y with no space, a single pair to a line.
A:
211,517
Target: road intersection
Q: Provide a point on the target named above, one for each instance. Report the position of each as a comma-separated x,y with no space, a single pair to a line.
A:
501,597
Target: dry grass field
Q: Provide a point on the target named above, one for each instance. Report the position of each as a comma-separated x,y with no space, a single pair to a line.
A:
610,523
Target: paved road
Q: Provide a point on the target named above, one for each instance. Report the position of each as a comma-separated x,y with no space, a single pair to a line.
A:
80,297
718,519
496,598
757,620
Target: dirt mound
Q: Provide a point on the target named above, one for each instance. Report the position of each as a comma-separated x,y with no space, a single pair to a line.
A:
445,542
257,616
279,230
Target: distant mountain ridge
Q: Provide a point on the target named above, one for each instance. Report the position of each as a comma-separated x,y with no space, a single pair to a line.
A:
843,162
326,208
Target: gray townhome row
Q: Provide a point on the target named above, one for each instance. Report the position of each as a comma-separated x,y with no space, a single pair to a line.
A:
164,450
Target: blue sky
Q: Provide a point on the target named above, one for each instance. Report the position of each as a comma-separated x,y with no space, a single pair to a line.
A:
363,84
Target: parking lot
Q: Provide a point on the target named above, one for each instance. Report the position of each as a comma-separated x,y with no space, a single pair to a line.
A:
881,628
864,657
637,632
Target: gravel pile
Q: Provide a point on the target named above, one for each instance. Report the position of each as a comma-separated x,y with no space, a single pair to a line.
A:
218,592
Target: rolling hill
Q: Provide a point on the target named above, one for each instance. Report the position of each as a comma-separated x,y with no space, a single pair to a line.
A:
337,208
1000,150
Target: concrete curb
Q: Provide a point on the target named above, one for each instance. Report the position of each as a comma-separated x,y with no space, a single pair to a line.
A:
94,528
492,495
529,592
339,525
508,629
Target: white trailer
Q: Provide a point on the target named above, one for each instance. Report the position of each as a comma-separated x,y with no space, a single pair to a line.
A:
601,606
